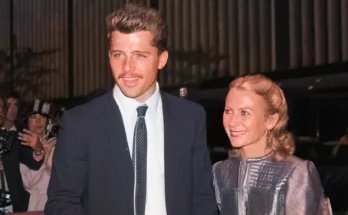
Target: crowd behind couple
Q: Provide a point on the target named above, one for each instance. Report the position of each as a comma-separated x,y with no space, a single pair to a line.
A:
139,151
26,156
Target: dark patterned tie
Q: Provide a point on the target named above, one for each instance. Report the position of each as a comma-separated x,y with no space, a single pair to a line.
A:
139,156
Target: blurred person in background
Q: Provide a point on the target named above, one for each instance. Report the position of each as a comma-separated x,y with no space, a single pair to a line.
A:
343,141
12,102
36,182
262,177
11,180
344,138
3,111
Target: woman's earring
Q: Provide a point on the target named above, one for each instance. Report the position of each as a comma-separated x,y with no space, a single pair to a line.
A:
269,138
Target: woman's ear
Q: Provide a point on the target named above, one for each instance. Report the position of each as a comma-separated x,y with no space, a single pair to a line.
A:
271,121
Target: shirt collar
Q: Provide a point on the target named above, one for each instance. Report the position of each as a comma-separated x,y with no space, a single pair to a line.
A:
129,105
13,128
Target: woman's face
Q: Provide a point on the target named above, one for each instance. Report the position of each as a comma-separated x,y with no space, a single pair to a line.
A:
37,124
245,120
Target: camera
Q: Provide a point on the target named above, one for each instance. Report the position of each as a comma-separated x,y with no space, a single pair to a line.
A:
7,139
5,198
52,129
53,123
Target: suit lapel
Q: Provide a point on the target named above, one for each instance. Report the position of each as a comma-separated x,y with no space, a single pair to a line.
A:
117,146
171,149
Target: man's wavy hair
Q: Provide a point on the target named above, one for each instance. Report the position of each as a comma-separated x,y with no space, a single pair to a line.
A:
280,141
133,18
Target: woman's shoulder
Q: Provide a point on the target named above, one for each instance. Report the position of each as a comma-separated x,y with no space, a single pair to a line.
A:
301,167
304,178
296,161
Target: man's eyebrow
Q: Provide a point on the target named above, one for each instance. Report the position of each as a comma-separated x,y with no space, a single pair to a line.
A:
142,52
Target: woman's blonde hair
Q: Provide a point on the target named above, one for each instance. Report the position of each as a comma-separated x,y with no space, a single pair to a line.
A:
280,141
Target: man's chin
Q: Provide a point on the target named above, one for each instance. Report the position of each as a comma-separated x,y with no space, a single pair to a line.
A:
131,95
130,92
12,119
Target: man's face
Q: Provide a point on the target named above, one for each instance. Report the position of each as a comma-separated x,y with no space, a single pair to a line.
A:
135,63
2,112
12,109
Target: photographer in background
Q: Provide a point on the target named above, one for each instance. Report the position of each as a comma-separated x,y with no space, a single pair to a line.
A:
36,182
12,103
12,152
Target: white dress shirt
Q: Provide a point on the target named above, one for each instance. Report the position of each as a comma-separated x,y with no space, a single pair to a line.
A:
155,185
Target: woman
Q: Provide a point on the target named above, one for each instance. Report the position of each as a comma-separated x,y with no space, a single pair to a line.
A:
343,141
263,177
36,182
344,138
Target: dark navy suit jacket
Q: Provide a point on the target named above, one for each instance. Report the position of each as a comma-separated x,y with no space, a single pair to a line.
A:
92,168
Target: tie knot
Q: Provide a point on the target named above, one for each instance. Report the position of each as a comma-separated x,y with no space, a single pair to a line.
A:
142,110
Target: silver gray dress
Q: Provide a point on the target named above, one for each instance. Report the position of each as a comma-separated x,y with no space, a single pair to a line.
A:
260,186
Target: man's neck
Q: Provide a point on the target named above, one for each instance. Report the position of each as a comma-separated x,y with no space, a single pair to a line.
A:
8,125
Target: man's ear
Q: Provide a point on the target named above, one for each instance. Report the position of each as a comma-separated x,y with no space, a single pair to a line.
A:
163,58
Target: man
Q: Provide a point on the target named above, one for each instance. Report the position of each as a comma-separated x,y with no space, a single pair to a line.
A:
134,150
3,111
9,168
12,111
